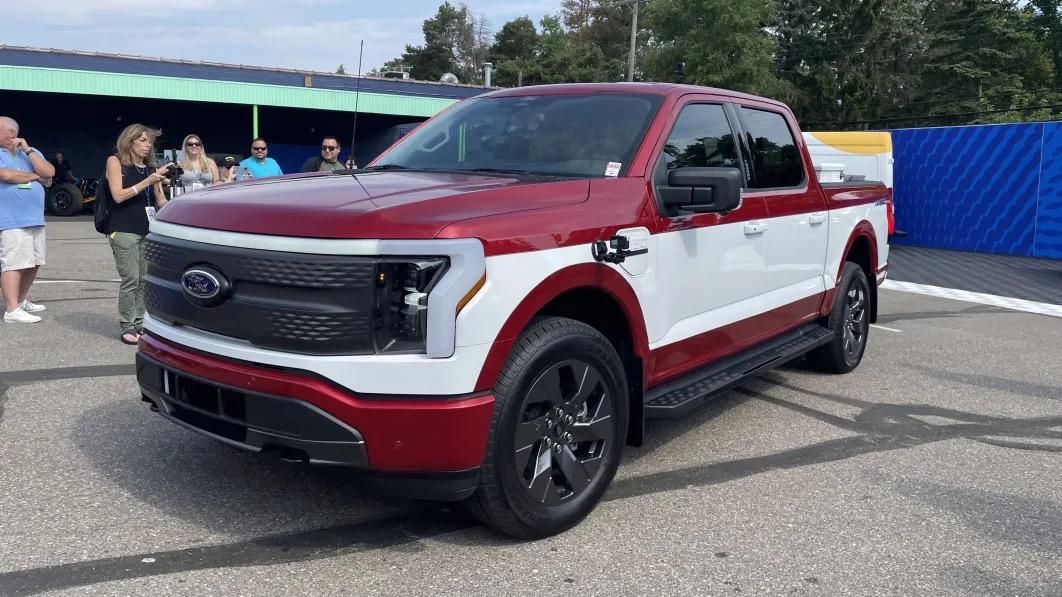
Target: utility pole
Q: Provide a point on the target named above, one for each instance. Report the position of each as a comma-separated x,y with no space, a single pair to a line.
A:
634,40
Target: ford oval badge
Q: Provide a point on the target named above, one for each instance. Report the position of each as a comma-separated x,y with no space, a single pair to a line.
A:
200,284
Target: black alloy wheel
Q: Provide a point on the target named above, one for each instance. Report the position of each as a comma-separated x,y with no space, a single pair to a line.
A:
854,330
64,199
850,322
557,432
563,433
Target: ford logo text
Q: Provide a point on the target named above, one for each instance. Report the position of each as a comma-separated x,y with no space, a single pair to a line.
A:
200,284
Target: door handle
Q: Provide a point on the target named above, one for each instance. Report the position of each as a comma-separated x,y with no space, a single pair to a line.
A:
817,217
755,228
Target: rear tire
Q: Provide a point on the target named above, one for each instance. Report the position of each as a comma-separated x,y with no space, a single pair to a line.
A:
558,431
64,199
850,321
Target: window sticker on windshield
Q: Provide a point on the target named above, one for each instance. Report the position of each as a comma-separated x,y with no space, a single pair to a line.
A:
613,169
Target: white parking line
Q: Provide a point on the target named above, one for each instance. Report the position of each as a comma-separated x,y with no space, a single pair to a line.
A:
881,327
73,281
981,298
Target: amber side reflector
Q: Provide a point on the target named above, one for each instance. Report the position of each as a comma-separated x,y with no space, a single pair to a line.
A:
471,293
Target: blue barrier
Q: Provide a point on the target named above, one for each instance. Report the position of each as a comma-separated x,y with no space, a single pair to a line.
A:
987,188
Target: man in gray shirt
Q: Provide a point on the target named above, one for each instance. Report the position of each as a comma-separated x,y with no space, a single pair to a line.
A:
328,161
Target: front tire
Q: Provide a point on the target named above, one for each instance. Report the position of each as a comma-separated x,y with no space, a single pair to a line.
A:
64,199
557,436
850,322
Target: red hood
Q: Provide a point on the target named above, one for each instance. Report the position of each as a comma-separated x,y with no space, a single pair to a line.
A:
374,205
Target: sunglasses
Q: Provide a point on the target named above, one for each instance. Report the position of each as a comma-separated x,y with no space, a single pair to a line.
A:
259,148
194,144
329,147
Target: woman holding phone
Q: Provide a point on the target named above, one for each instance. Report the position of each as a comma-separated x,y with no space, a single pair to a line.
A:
135,194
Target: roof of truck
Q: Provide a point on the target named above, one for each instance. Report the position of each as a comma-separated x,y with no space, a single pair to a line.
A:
666,89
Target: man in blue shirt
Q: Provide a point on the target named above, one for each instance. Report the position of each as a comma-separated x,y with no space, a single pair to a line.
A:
22,169
259,165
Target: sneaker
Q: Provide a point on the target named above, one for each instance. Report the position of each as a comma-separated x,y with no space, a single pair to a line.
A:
29,307
20,316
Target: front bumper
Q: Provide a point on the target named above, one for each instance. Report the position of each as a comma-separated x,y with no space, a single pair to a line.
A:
304,417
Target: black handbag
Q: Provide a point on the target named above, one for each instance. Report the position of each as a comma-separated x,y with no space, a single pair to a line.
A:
101,207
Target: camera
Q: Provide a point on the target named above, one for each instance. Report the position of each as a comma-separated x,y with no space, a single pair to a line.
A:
175,173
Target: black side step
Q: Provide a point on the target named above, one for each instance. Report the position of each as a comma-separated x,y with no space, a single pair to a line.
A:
693,389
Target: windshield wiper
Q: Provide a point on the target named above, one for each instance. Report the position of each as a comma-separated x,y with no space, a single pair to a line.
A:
384,167
495,171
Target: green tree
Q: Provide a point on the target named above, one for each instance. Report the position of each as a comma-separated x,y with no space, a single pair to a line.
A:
723,43
985,56
514,53
848,61
455,40
341,70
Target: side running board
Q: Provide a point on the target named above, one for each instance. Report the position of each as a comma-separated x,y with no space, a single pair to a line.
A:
679,396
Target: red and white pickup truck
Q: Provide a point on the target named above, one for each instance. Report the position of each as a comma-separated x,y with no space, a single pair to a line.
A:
491,310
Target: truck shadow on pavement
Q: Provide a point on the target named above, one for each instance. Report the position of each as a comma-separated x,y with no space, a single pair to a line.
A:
178,473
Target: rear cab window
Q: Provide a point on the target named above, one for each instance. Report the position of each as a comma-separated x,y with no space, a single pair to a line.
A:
771,149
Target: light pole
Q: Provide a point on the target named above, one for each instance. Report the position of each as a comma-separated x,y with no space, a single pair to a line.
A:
634,39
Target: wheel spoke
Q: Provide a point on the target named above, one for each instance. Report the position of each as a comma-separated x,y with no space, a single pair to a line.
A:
542,479
599,428
527,435
589,383
547,388
573,470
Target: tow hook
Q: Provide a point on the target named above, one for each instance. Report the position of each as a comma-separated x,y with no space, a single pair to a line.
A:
620,250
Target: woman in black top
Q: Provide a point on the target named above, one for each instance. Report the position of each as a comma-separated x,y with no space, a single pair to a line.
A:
136,194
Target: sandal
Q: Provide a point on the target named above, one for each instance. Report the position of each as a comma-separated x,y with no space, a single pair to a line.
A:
131,338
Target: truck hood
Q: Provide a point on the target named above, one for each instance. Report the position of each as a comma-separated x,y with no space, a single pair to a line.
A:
394,205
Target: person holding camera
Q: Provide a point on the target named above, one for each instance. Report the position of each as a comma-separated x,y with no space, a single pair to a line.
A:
198,170
135,194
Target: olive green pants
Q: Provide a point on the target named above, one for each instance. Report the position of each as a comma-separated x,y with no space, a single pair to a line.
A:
128,249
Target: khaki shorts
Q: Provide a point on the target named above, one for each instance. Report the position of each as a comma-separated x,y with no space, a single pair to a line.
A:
21,248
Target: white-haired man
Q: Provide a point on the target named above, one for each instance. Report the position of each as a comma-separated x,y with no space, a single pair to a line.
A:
22,168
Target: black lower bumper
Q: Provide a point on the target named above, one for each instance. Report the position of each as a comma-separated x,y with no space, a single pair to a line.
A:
291,429
296,430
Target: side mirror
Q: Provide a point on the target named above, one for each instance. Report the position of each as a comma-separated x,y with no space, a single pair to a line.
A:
702,190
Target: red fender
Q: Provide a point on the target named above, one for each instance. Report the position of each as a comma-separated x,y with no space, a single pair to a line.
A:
583,275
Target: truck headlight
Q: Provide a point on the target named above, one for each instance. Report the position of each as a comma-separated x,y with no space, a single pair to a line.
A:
400,304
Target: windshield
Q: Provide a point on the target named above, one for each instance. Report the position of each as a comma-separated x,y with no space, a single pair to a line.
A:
560,135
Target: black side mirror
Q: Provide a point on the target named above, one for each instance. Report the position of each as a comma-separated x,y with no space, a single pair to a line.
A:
702,190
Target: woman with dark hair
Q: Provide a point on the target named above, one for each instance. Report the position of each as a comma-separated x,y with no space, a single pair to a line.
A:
135,194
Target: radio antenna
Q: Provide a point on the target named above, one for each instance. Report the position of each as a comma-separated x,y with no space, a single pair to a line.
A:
357,96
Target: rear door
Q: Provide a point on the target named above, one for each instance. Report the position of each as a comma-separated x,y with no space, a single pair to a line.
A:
711,268
797,225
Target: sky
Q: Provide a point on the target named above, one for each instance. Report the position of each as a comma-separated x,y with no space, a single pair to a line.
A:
300,34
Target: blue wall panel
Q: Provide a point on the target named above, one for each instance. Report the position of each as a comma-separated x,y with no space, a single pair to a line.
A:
972,188
1049,215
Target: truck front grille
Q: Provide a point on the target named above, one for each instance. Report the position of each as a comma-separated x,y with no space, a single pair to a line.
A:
295,302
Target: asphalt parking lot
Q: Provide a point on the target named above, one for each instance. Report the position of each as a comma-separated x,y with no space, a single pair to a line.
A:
933,469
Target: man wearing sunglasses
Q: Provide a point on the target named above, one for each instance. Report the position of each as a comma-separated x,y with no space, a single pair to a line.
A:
328,161
260,165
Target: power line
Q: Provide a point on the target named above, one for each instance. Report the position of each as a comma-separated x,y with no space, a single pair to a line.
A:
924,116
959,99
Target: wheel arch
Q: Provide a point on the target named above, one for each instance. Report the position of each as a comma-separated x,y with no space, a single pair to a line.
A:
862,249
596,295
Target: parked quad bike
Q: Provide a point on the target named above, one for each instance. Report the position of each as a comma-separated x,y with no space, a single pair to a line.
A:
68,198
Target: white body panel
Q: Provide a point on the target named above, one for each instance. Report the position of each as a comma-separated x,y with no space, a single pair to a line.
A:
865,154
796,249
